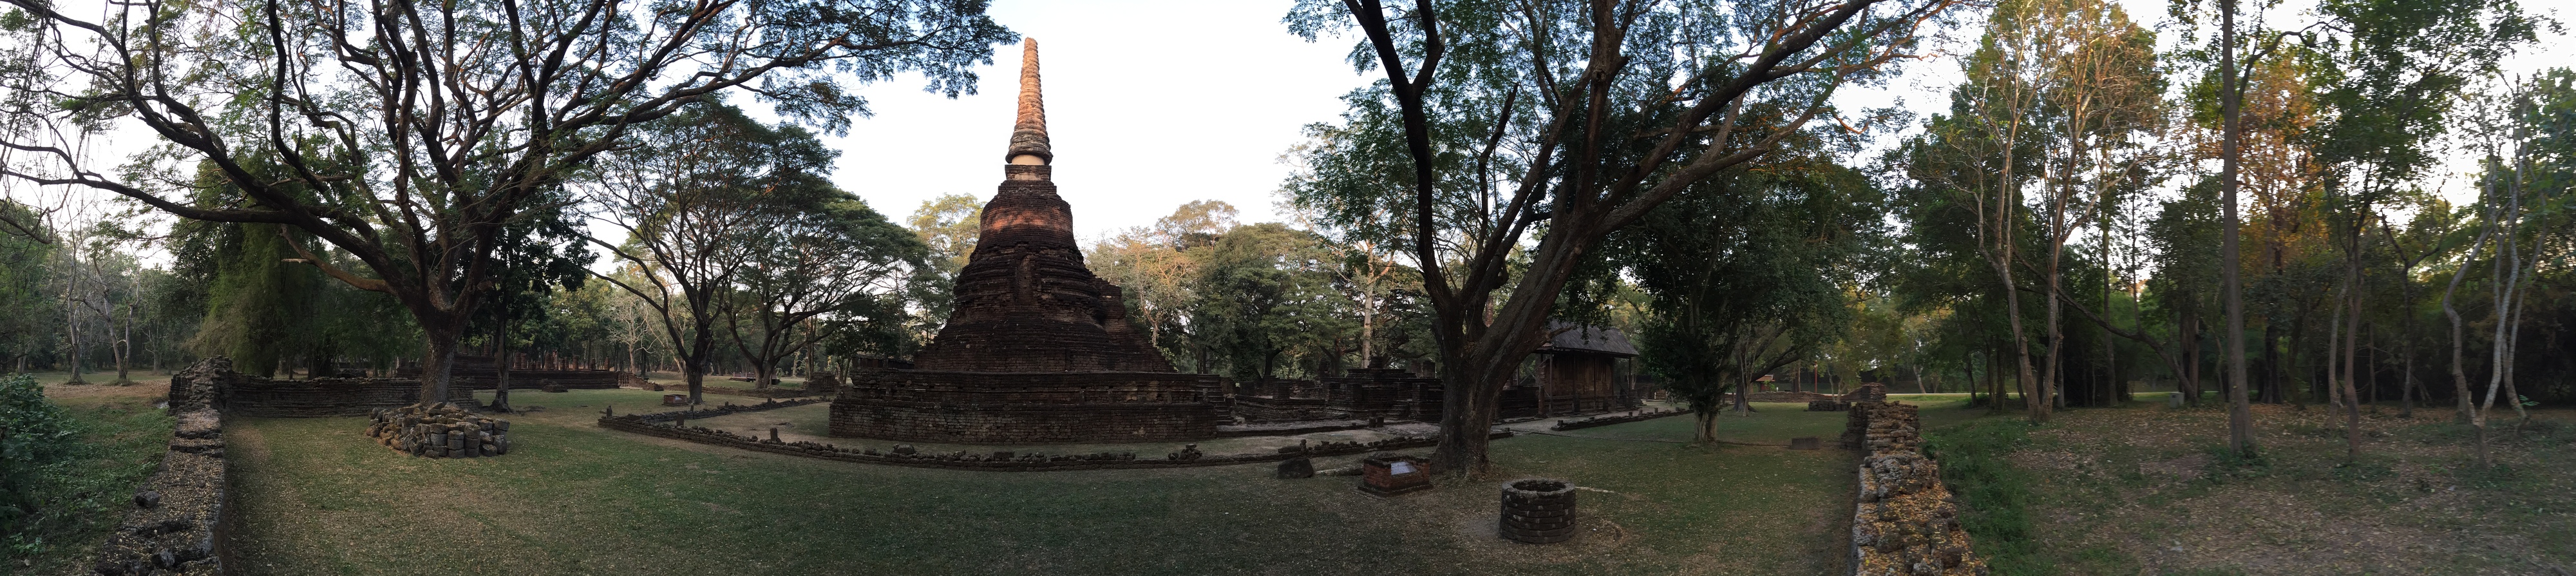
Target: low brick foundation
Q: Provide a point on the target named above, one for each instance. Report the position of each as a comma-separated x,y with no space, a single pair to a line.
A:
1906,522
177,524
726,408
754,392
1787,397
1609,419
1027,408
1292,429
1006,461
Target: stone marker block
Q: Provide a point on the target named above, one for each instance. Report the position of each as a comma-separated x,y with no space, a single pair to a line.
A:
1294,468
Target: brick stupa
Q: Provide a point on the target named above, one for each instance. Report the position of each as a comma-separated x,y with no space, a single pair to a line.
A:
1039,350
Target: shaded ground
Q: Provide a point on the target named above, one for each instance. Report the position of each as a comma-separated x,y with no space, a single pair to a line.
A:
2150,490
572,498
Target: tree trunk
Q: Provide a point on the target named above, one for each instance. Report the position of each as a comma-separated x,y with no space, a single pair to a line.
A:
502,357
71,324
2190,336
125,344
1468,409
2351,337
694,369
2035,400
2240,416
438,364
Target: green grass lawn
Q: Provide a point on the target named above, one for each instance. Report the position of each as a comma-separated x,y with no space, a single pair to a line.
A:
317,498
2145,489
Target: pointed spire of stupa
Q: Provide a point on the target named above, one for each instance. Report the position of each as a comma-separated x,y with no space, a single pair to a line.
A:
1029,136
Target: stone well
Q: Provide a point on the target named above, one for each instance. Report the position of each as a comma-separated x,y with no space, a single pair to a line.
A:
1538,510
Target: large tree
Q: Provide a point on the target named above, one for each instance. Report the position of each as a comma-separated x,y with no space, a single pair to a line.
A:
412,133
1564,121
1750,272
819,257
683,207
1264,294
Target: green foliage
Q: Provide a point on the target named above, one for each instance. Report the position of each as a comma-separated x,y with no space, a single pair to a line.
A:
1264,292
29,316
948,227
64,471
33,436
1748,271
1994,496
257,303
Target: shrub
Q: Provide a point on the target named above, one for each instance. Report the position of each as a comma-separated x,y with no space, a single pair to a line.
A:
34,438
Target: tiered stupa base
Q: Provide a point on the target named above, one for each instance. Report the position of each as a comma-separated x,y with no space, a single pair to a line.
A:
1018,408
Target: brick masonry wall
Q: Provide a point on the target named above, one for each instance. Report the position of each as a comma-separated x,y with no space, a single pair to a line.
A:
523,378
177,523
262,397
1027,408
1267,409
1906,522
212,383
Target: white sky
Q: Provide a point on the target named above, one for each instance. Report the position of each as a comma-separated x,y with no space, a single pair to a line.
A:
1149,105
1140,128
1155,104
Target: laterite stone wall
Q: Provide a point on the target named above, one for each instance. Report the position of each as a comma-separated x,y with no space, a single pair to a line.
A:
1906,523
177,524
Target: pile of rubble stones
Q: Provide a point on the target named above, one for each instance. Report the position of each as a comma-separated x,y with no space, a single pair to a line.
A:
439,431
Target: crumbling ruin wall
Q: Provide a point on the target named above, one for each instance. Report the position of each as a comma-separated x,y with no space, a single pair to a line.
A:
823,383
262,397
202,385
212,383
1028,408
177,524
1271,409
1872,392
1906,522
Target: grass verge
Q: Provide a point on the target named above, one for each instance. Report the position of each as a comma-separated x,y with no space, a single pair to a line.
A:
1994,496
